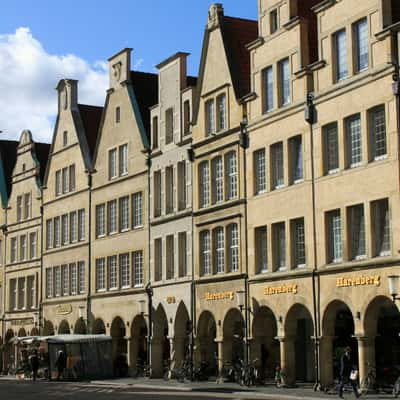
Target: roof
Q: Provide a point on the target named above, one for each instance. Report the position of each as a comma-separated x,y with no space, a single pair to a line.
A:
8,157
145,86
42,151
236,34
191,81
91,117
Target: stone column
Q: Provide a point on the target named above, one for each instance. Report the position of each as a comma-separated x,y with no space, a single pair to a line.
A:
366,355
326,360
288,360
156,358
220,344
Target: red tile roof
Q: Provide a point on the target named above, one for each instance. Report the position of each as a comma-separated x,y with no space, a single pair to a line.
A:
237,33
91,117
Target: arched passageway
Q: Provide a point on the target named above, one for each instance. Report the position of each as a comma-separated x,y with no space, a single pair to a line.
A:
9,359
80,327
233,336
63,328
98,327
48,328
208,352
180,346
160,349
138,346
119,347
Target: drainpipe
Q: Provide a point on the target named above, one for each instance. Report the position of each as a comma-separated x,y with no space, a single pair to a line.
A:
3,320
310,116
40,318
89,292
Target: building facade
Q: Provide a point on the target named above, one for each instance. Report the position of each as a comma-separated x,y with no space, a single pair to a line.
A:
171,214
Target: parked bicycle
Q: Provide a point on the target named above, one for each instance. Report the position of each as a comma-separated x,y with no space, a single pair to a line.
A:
142,370
368,383
396,388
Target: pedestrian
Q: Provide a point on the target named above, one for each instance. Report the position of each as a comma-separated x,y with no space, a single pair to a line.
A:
34,363
61,363
347,373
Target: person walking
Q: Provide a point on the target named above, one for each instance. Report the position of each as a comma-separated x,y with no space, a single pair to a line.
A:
34,363
347,373
61,364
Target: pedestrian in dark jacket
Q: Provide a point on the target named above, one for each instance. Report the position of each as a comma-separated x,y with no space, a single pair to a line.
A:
346,367
61,364
34,363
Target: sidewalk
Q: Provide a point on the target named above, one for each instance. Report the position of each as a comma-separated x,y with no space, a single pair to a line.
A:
254,392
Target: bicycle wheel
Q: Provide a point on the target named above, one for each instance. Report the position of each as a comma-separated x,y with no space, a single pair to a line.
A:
366,384
396,389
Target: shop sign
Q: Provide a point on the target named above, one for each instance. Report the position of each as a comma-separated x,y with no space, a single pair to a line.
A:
171,300
282,289
373,280
229,295
21,322
64,309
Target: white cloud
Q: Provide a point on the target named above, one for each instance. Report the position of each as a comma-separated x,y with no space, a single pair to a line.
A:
28,76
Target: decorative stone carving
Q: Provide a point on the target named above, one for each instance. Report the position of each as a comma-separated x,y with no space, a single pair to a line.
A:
117,70
213,15
65,97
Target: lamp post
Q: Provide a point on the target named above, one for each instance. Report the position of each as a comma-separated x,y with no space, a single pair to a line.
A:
242,304
393,281
36,320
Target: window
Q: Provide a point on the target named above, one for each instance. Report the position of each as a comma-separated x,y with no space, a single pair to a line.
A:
100,220
27,205
205,251
124,271
284,82
231,175
334,236
21,293
71,178
73,227
331,148
19,208
170,259
112,217
381,227
169,126
259,171
204,181
65,138
268,92
155,132
298,243
210,117
157,193
58,183
296,159
31,292
221,110
124,213
57,281
112,273
137,210
22,249
137,268
169,189
261,253
219,250
186,118
49,283
157,259
81,277
377,128
32,245
117,115
49,233
233,247
65,280
279,246
181,185
100,275
353,137
357,231
340,55
13,294
277,166
182,253
273,21
65,180
81,225
57,232
64,229
217,180
73,278
112,164
361,44
123,159
13,257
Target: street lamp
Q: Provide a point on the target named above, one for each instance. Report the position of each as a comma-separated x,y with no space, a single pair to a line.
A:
394,286
240,299
81,312
142,307
242,304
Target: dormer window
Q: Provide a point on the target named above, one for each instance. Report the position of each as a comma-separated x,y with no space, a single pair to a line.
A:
210,117
118,115
65,138
221,104
273,21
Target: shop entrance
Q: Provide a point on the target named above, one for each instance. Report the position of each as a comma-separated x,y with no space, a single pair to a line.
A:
207,354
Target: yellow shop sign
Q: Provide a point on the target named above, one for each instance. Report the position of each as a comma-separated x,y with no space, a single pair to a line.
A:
64,309
268,291
230,295
373,280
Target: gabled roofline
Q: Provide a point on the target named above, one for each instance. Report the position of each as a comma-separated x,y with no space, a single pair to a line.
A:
168,60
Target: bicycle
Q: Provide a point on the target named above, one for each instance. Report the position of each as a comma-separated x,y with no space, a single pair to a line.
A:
249,374
396,388
167,370
142,370
368,383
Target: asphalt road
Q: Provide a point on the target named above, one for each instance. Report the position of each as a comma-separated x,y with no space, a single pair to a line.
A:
41,390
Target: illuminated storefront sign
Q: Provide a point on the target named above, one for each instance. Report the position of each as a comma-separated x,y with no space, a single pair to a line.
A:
230,295
268,291
64,309
373,280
